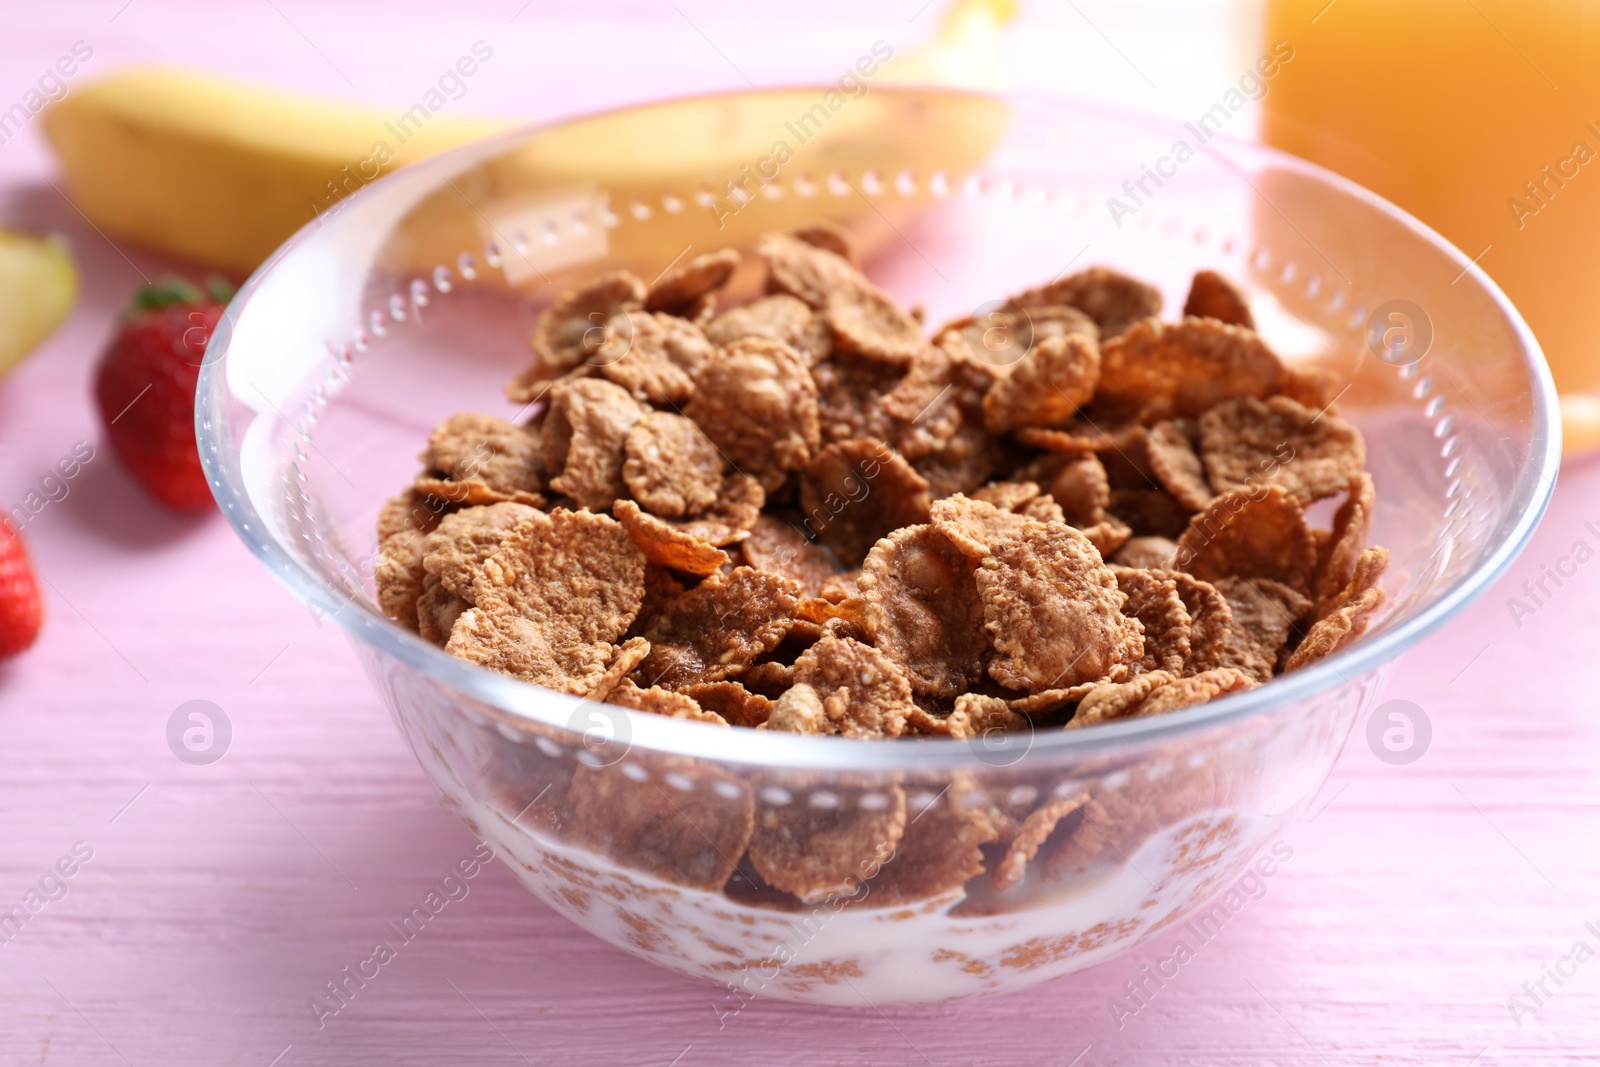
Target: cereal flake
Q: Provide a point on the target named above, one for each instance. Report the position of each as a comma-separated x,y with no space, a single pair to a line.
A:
732,701
584,435
1177,467
456,549
864,693
855,492
653,356
1211,620
1337,556
817,853
975,526
1196,689
805,270
939,852
1264,614
1312,454
671,468
1055,611
479,459
660,701
1154,600
1031,836
1046,387
437,611
573,327
680,289
1250,533
692,838
782,547
624,658
1186,367
1147,553
867,324
1350,614
779,317
758,403
1115,301
1211,296
548,604
1076,483
718,628
922,609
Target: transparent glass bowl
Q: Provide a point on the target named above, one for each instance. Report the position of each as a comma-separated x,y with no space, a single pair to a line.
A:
414,299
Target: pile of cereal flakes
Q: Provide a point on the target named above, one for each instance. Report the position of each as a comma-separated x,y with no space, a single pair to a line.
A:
799,514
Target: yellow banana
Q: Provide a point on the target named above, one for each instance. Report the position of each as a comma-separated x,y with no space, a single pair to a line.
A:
216,171
750,163
222,173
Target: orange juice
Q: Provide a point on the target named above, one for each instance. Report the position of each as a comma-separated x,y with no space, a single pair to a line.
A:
1482,118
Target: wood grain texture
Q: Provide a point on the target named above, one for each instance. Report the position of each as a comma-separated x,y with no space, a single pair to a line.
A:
220,899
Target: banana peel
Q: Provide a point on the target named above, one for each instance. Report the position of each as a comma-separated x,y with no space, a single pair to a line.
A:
222,173
38,286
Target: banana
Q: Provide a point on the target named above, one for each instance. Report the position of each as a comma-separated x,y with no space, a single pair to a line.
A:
750,163
217,171
222,173
38,287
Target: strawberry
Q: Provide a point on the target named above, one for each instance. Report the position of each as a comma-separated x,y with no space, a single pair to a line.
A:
145,388
21,610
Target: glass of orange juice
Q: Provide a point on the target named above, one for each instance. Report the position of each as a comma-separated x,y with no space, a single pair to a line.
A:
1482,118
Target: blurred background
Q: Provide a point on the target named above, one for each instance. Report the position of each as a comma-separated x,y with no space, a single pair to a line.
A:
1478,117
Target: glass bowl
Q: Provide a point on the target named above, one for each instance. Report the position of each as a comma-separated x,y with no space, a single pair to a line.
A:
414,298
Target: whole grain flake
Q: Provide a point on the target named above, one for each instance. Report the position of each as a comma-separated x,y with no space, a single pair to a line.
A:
801,514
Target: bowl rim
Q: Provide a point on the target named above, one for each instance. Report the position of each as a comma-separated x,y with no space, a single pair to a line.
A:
536,705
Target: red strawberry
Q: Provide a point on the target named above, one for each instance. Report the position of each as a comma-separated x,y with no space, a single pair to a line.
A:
21,611
145,389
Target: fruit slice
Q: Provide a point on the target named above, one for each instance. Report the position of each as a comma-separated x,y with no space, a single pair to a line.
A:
38,286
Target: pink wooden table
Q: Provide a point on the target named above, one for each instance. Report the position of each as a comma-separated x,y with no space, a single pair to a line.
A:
217,900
